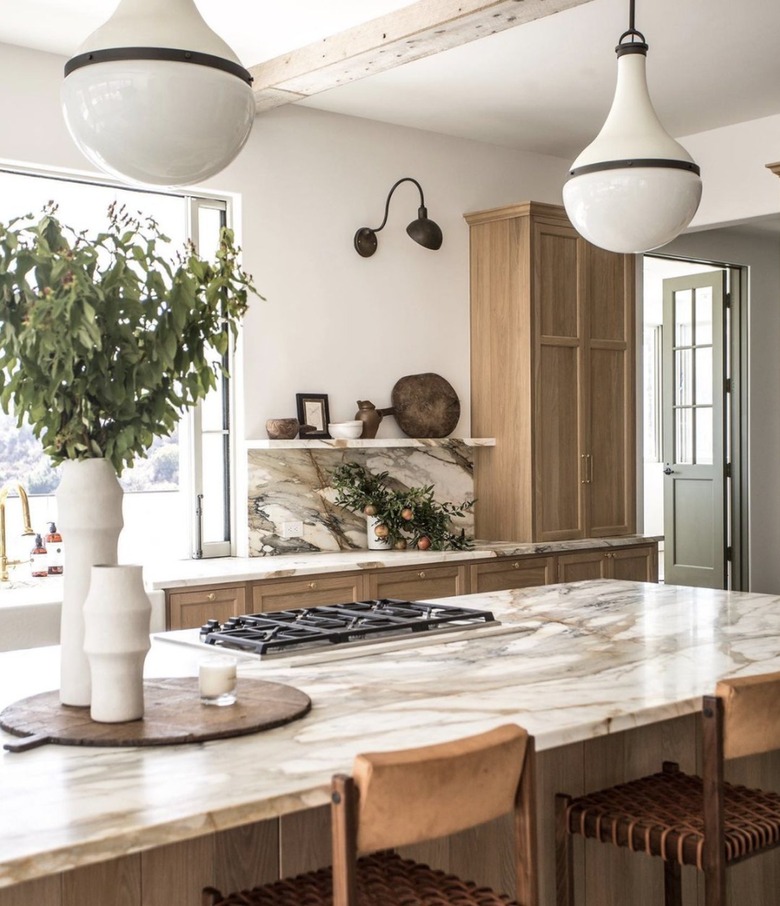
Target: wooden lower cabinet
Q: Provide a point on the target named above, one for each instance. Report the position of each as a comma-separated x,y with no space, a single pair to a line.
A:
634,563
416,584
306,591
523,572
190,609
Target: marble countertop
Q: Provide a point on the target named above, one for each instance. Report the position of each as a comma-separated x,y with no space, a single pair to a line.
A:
575,661
184,573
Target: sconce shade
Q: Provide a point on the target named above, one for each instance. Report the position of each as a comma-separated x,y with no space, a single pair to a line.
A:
156,97
424,231
634,188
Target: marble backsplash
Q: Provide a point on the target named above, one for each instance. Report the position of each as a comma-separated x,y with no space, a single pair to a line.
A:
292,484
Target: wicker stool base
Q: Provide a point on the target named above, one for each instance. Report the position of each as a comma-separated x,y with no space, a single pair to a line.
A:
383,879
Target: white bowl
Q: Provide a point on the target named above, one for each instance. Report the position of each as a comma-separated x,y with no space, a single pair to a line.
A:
345,429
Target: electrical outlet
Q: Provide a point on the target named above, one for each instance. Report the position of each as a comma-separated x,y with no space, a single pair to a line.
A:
292,529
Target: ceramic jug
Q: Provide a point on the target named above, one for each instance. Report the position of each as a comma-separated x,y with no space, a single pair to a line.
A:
370,416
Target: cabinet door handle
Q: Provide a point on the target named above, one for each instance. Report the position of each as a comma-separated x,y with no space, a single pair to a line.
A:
586,468
421,574
211,596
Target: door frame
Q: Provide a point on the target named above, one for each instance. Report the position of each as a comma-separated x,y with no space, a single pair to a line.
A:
737,434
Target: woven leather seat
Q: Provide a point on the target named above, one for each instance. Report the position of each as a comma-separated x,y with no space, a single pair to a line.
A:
400,798
383,879
683,819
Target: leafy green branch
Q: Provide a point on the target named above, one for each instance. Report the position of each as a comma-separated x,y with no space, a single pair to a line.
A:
405,515
104,341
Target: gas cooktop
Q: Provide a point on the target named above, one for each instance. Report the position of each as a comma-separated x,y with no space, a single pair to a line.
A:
338,624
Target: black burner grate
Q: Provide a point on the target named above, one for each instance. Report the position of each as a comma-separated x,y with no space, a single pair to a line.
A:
337,624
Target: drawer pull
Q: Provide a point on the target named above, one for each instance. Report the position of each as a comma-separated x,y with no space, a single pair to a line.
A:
211,596
515,565
421,574
312,584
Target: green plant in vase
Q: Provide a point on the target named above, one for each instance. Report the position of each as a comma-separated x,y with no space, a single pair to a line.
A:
405,516
104,342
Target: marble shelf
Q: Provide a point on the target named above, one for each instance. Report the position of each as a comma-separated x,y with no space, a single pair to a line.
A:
339,443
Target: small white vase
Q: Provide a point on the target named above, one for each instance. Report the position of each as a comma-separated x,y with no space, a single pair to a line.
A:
117,612
89,516
374,543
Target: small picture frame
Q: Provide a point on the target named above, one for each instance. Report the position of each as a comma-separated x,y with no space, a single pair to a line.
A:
313,410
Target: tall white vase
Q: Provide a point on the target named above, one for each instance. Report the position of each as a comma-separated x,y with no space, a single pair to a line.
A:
117,613
89,516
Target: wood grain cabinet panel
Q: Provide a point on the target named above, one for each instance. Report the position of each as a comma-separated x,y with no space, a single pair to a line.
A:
418,584
633,563
190,609
507,573
552,378
307,591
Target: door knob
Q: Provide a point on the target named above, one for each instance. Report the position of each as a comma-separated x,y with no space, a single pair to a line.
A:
668,471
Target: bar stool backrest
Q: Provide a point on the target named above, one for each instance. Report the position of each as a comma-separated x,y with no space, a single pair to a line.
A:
751,714
419,794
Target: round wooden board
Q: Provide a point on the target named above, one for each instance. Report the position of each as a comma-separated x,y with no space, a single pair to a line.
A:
425,405
173,714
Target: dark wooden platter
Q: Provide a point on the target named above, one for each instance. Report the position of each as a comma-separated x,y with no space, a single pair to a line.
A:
425,405
173,714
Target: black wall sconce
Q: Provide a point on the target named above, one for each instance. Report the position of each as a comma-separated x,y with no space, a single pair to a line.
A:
424,231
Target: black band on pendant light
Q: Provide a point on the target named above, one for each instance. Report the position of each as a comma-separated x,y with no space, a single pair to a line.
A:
638,162
424,231
112,54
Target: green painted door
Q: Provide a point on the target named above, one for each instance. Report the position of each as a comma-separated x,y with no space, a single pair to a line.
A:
694,430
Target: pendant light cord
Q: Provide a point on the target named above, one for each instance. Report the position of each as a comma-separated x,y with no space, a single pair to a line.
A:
636,36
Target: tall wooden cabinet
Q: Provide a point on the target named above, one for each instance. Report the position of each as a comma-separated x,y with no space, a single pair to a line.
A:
552,377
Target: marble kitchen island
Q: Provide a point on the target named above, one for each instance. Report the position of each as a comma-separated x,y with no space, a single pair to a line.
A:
607,675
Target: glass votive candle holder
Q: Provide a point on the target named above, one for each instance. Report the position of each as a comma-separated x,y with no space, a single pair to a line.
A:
217,680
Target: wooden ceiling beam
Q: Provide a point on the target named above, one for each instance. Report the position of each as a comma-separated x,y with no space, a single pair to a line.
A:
416,31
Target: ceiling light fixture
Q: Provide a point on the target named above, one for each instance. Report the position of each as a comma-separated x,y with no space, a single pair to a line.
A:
634,188
155,96
425,232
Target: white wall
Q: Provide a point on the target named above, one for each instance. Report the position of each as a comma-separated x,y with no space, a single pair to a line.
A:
344,325
762,255
736,182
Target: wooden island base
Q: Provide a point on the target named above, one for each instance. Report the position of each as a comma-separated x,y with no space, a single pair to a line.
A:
244,856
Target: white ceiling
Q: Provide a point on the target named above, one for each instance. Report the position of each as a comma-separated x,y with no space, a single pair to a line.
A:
544,86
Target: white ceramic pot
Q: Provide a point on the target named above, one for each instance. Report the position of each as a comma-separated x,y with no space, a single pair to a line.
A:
89,517
374,543
117,612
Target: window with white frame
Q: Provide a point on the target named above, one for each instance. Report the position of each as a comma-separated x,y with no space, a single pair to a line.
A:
178,498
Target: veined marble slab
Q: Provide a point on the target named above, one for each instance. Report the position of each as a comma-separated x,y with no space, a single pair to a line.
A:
584,660
185,573
292,484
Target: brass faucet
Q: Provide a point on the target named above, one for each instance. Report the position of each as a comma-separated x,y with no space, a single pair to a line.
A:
4,561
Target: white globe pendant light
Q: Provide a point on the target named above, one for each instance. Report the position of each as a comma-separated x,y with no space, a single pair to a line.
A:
634,188
156,97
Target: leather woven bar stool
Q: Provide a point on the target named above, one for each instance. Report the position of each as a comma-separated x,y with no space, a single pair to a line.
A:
403,797
689,820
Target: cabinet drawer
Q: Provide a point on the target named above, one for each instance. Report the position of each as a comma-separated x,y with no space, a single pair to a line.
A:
190,609
308,591
512,573
581,565
636,564
417,584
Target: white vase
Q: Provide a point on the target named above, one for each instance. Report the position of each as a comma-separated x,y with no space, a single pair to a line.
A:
374,543
89,517
117,612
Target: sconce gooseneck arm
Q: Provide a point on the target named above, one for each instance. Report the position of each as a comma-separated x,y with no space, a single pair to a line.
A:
390,195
